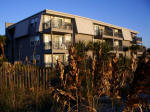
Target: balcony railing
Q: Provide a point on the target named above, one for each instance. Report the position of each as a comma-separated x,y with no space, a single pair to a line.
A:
57,24
61,25
118,34
138,39
47,45
98,33
47,25
108,32
59,45
141,49
115,48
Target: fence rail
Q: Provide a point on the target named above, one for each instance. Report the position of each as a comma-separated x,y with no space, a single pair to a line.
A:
24,77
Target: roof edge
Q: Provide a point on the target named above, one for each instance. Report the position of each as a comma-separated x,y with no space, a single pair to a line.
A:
47,11
93,20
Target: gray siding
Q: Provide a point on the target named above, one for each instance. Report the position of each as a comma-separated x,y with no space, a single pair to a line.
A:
24,48
84,38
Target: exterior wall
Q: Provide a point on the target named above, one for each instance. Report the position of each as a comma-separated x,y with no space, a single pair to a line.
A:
10,45
84,38
25,49
84,26
83,29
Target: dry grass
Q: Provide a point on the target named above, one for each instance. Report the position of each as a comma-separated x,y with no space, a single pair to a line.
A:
80,86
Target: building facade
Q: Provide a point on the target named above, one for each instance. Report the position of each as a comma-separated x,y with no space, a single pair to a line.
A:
45,37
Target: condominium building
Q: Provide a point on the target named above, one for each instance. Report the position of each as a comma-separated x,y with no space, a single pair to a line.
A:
45,37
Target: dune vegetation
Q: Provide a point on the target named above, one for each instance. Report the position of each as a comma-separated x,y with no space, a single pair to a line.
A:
98,83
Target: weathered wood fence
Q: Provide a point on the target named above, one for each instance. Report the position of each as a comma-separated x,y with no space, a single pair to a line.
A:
24,77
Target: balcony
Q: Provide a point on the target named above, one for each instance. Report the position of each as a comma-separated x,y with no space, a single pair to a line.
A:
58,26
61,25
118,34
137,40
140,51
47,25
114,34
59,45
108,32
98,34
47,45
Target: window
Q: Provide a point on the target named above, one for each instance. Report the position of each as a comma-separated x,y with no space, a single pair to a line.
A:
117,33
98,29
47,22
67,41
34,20
58,41
58,22
33,25
61,41
47,41
35,40
47,18
116,43
57,57
48,60
67,20
108,31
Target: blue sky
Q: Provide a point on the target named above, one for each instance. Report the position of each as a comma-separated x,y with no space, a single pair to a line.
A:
132,14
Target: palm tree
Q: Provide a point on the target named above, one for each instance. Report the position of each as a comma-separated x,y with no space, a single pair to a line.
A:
80,48
148,50
2,43
134,49
125,49
93,46
98,47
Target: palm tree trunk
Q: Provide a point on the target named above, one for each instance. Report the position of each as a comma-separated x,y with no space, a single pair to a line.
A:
2,49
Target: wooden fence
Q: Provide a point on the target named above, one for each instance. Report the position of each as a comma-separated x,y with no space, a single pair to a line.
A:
24,77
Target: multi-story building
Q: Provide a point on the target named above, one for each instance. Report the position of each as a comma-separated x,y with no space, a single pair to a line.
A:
46,36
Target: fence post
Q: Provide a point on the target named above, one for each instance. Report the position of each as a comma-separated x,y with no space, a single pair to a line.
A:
29,77
45,78
40,78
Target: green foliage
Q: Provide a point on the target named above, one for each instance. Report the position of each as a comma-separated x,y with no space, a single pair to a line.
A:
125,49
148,50
134,48
2,38
80,48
